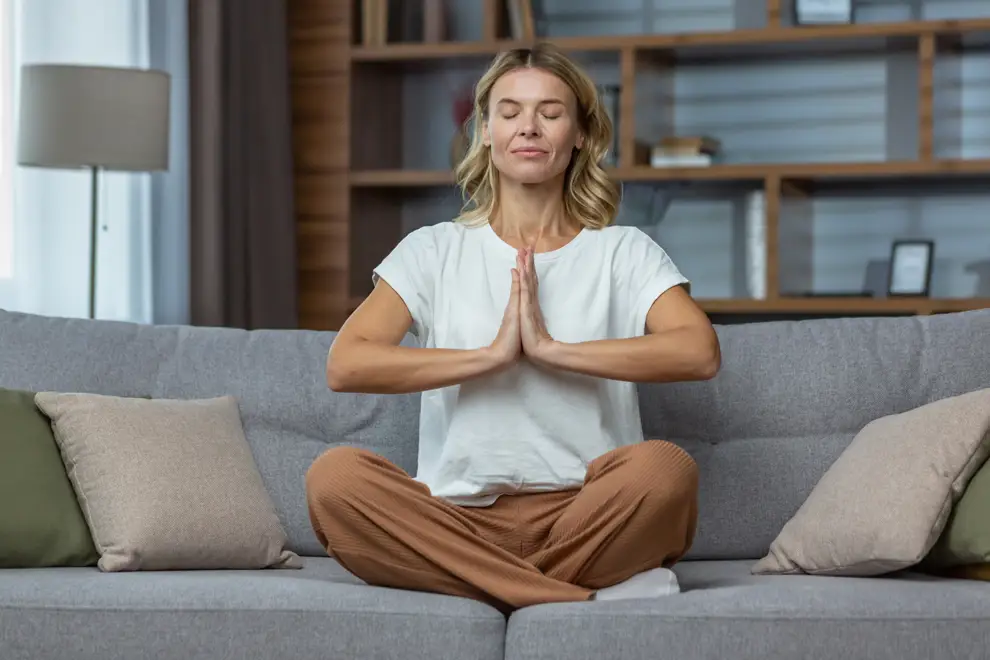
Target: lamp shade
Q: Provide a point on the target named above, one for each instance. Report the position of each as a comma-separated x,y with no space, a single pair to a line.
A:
93,116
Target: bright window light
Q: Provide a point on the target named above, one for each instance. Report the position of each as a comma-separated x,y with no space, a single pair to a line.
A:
6,142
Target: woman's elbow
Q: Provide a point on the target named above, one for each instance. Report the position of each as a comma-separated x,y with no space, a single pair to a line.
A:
710,357
340,376
336,380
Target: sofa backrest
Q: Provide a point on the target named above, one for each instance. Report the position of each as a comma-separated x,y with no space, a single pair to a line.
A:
789,398
278,377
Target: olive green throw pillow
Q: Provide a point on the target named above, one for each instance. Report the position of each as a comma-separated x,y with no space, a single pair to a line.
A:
966,538
41,524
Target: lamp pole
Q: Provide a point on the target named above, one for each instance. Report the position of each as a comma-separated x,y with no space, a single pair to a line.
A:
93,205
97,118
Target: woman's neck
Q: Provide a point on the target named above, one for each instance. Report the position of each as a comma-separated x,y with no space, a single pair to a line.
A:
526,214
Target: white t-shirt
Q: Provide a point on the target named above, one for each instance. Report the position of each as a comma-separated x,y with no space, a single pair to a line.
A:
526,429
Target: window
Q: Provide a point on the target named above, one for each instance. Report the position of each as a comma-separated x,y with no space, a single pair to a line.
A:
6,141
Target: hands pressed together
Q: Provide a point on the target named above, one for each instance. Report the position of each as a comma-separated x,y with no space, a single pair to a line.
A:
523,331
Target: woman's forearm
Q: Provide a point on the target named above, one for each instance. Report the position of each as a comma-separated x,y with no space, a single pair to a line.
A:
680,354
376,368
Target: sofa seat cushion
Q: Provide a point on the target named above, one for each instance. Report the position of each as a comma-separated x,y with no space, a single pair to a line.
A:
725,612
320,611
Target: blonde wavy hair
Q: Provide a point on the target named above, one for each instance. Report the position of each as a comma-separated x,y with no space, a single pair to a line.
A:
590,196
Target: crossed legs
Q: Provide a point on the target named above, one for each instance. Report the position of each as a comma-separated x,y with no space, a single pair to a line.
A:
637,510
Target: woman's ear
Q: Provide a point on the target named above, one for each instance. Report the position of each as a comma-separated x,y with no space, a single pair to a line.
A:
486,138
579,143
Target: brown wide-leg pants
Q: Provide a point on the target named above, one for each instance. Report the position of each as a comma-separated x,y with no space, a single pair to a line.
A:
637,510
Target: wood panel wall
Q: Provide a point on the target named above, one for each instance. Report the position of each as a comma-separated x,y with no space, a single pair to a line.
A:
319,43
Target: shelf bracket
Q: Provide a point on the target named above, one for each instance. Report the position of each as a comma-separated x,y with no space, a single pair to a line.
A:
774,13
926,97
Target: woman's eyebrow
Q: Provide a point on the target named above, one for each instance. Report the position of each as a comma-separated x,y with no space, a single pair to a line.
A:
543,102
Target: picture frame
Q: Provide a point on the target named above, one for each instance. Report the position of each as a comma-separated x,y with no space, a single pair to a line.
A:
910,268
823,12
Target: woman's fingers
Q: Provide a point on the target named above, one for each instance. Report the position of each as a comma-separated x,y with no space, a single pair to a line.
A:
526,264
532,261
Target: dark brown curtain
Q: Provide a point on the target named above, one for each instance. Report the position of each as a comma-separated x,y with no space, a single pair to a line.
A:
242,233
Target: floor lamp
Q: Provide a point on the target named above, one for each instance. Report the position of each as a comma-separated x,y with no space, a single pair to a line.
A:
93,117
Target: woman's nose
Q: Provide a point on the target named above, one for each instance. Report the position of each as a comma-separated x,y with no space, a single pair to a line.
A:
528,128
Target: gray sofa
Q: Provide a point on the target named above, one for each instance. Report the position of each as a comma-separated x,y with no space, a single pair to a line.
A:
790,396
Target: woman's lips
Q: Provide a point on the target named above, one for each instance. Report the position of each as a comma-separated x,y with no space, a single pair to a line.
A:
529,152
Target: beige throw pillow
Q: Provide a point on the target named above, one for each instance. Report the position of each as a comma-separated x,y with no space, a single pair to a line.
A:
884,502
167,484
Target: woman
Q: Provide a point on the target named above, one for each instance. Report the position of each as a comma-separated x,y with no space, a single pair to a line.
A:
536,317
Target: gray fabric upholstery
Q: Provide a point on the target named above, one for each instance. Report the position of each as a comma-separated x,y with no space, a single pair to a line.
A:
318,612
278,377
789,399
289,414
724,612
324,612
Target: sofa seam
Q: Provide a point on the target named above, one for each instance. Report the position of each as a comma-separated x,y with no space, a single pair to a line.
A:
159,610
722,617
677,617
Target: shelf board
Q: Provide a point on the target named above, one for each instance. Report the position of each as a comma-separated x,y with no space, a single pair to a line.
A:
726,39
842,305
400,178
810,171
732,172
836,306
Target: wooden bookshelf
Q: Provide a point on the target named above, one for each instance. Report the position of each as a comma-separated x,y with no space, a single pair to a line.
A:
746,172
803,39
353,191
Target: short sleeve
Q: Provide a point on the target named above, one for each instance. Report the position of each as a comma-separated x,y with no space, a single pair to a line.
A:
410,269
645,272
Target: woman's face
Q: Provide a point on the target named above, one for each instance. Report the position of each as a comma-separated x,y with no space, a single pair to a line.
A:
532,126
